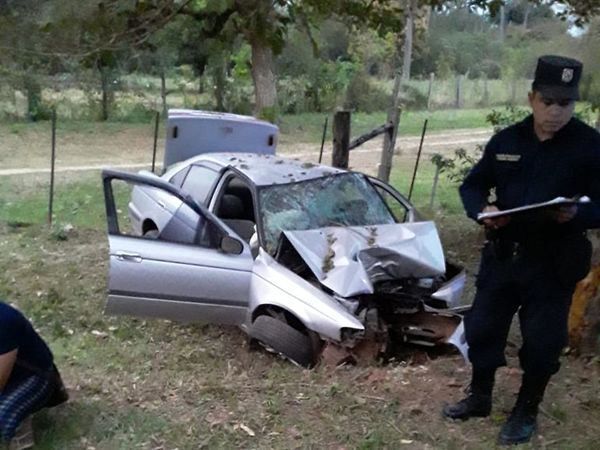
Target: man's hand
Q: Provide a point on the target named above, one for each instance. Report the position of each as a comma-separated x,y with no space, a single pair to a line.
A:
496,222
564,213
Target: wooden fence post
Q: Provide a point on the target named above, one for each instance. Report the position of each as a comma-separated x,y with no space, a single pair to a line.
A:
389,142
52,161
486,92
430,90
157,118
436,178
341,139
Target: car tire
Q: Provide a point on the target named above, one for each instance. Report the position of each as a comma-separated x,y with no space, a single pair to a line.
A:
285,340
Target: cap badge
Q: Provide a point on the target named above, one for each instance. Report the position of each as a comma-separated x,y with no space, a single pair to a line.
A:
567,75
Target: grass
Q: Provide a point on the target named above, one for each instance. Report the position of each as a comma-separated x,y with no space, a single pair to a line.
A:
155,384
152,384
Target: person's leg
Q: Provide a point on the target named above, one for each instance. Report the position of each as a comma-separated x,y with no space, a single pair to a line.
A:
543,318
486,327
19,401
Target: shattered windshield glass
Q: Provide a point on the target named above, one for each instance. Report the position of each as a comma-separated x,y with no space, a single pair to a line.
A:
346,199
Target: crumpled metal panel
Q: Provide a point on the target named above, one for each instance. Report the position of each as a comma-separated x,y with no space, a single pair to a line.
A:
451,291
348,260
459,340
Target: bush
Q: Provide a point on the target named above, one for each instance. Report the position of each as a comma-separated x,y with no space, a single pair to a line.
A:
412,98
362,95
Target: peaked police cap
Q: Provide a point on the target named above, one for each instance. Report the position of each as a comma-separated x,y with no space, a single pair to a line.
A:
557,77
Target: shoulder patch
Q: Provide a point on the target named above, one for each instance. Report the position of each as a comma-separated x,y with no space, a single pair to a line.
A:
507,157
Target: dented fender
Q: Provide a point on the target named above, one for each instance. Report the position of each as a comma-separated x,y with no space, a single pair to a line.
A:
273,284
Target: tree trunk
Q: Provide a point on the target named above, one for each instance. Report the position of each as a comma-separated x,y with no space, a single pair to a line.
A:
502,20
106,93
526,18
584,316
265,89
408,40
220,87
34,97
458,103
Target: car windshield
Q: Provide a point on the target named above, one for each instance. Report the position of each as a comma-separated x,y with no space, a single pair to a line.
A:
346,199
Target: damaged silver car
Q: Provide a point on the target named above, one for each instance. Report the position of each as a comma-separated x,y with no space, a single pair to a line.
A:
311,261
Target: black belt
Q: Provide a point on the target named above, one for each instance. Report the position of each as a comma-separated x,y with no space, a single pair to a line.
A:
507,248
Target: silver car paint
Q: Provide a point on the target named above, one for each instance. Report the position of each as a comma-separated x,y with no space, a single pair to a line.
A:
274,284
362,255
451,291
271,283
154,278
203,131
261,170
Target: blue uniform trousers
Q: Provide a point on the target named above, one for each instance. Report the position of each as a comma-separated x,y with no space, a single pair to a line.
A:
526,283
19,400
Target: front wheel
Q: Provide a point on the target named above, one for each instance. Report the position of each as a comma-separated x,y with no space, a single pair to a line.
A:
285,340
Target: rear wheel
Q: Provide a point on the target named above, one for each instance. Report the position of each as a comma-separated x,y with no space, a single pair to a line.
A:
285,340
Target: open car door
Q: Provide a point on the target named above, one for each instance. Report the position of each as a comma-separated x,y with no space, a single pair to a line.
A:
191,269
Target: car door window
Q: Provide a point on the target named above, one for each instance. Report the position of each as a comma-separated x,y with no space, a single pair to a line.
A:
178,178
400,207
199,182
153,213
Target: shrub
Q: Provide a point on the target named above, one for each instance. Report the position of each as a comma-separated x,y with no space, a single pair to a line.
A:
362,95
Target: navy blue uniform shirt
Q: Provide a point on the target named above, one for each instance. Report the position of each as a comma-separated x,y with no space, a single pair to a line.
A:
16,333
523,170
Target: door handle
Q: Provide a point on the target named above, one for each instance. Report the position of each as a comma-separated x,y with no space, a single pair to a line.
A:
126,256
161,204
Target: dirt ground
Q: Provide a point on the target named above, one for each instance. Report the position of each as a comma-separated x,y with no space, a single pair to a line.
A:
27,151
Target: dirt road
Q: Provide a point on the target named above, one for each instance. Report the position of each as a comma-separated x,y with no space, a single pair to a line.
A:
74,157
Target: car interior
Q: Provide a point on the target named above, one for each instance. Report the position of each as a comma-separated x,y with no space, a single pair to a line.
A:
236,208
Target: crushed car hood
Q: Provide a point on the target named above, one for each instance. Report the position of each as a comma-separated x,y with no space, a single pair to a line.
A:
349,260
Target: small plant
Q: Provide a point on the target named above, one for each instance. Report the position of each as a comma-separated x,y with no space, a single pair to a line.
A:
457,167
328,264
372,240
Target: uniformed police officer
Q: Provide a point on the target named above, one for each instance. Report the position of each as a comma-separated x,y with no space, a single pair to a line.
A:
530,262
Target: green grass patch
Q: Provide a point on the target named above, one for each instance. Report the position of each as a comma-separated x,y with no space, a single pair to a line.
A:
445,198
79,203
308,127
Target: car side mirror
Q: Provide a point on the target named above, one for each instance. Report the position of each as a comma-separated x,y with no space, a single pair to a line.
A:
231,246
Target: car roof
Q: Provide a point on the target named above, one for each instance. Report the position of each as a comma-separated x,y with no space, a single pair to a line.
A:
264,170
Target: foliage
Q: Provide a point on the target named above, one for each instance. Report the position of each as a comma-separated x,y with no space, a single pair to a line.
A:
458,166
363,95
500,119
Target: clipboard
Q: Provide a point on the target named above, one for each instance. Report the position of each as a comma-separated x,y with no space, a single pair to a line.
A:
550,204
